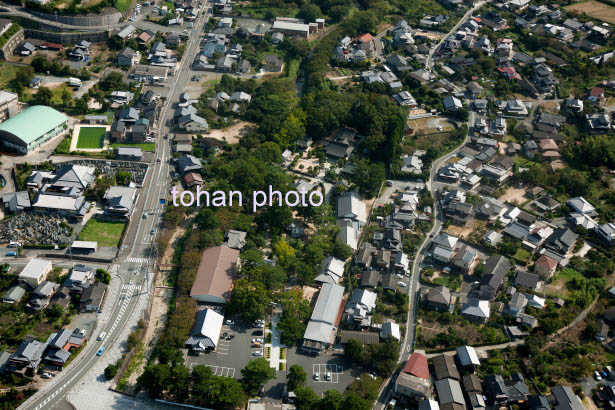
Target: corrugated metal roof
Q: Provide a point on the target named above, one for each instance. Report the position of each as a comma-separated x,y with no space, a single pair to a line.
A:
328,303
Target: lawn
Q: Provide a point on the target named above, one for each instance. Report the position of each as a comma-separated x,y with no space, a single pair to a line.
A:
451,281
91,137
567,274
522,255
293,68
7,74
146,146
106,233
122,5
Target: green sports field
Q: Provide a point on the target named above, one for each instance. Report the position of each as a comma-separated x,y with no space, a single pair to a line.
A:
91,137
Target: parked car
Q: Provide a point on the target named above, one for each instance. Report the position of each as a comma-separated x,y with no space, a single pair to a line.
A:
258,332
46,375
11,254
230,322
597,376
316,376
328,376
257,340
257,353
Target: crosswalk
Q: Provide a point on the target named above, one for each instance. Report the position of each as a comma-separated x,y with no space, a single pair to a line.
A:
138,260
131,287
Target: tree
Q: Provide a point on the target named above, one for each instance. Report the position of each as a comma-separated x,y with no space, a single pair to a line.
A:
123,178
309,12
368,176
256,373
103,276
81,104
43,96
155,379
179,383
305,398
353,350
24,76
296,377
249,298
341,250
66,98
111,371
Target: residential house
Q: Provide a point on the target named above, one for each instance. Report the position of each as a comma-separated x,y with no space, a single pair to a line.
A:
445,368
495,271
92,297
545,266
438,298
476,310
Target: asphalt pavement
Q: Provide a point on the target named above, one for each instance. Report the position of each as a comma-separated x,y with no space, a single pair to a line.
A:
139,253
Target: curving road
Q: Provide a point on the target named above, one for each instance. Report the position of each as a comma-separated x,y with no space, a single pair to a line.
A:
466,16
407,347
139,254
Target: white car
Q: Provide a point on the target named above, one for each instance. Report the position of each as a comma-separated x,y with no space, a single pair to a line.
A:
102,336
230,322
46,375
316,376
258,353
402,284
328,376
257,340
597,376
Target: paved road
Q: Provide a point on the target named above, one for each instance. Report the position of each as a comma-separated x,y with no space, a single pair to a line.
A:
140,252
409,338
428,60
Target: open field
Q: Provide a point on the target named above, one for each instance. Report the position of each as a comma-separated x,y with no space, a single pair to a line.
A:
91,137
558,286
594,9
231,134
106,233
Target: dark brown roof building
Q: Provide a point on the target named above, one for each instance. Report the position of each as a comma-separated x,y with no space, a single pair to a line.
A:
214,278
444,367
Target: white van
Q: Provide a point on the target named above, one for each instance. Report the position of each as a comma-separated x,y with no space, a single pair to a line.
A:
102,336
74,82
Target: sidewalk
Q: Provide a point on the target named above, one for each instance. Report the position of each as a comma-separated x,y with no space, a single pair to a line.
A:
276,345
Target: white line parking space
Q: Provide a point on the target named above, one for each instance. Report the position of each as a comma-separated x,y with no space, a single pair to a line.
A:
322,370
218,370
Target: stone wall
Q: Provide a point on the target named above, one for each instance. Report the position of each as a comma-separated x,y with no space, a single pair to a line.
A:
13,43
102,19
68,38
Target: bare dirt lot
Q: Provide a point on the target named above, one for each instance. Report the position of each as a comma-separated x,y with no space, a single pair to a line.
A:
514,195
461,231
231,134
594,9
430,125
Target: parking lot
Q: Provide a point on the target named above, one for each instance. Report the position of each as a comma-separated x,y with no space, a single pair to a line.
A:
340,369
231,355
327,373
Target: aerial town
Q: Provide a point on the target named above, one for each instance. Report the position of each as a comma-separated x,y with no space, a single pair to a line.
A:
462,256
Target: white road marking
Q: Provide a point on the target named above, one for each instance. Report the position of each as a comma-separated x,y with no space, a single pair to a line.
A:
322,369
